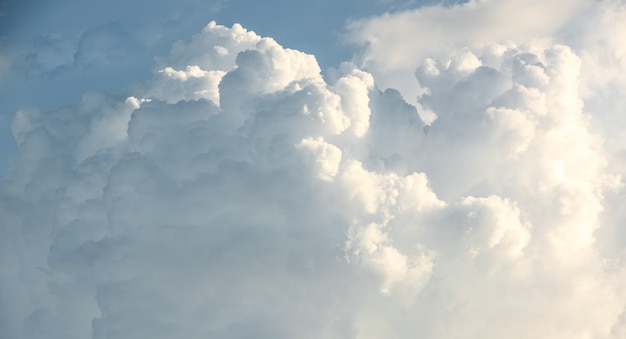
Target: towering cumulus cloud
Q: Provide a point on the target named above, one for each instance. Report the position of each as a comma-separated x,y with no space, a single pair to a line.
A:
240,194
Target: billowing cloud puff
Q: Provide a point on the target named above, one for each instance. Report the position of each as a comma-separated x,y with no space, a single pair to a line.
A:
395,43
239,193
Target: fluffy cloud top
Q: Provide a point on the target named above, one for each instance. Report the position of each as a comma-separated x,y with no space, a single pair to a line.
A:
395,43
239,193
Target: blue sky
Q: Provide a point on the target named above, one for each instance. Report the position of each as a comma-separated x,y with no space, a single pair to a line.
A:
324,169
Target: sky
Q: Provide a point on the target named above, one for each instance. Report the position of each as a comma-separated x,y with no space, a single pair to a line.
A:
348,169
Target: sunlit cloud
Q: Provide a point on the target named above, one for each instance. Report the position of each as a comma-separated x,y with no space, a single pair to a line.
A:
461,177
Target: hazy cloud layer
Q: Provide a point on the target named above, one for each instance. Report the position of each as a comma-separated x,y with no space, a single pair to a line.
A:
239,193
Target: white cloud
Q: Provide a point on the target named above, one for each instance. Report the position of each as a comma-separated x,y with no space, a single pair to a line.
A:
183,212
238,193
395,43
325,156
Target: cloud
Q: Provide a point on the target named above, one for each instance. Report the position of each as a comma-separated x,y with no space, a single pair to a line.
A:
179,179
394,43
239,193
106,45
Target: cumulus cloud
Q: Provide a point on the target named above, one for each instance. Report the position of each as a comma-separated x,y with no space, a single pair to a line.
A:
239,193
215,174
394,43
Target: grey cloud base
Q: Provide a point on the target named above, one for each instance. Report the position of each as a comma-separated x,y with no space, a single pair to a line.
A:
240,194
